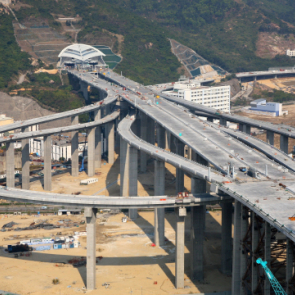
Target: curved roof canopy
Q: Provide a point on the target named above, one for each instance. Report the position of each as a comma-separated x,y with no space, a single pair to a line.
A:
80,52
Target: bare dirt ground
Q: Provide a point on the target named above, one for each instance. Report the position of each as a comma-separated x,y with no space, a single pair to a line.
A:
283,84
270,44
288,120
128,261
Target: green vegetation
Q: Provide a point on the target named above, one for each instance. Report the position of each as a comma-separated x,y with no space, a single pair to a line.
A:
275,96
12,59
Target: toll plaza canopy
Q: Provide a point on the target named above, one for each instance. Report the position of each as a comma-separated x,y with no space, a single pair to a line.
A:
81,54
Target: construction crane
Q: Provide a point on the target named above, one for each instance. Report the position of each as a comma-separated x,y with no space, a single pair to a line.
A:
278,289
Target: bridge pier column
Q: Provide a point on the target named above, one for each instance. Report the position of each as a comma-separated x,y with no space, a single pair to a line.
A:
226,239
97,116
133,168
159,190
223,122
243,252
211,120
25,161
74,148
91,152
47,163
111,142
90,214
124,168
179,171
255,241
270,137
167,140
10,174
198,218
84,89
179,241
284,141
241,127
247,129
151,130
143,132
267,255
160,136
289,266
236,269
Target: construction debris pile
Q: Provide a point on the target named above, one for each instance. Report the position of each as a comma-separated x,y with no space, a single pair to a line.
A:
40,224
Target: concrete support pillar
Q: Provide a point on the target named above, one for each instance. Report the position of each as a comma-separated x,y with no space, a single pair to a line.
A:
167,140
226,238
161,136
267,256
211,119
25,161
223,122
179,242
124,168
236,269
255,240
150,130
179,172
244,227
270,137
133,171
289,266
247,129
284,141
90,214
47,163
91,152
143,132
10,179
241,127
74,148
98,143
111,142
198,217
159,190
84,89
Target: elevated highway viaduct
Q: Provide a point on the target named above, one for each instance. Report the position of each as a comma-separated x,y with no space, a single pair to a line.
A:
157,128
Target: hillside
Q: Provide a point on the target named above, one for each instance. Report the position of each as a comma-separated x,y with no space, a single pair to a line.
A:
227,33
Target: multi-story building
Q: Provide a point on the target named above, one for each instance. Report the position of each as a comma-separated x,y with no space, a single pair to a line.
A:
290,52
214,97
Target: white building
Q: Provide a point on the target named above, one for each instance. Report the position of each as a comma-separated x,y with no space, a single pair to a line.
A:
80,56
290,52
214,97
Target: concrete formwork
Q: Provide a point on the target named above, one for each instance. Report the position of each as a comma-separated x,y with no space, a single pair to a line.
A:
74,148
47,163
159,190
10,178
179,242
90,214
98,143
25,161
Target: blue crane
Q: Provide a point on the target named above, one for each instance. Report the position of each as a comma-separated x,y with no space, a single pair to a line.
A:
278,289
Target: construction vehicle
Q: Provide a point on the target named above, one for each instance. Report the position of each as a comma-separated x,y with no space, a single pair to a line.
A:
292,218
278,289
